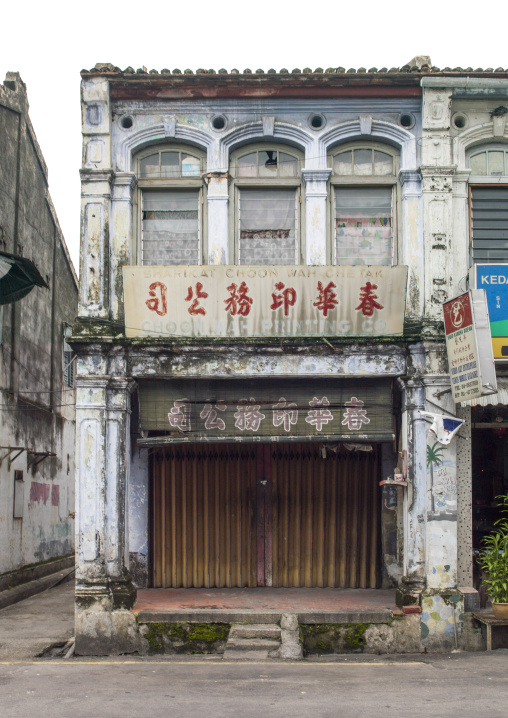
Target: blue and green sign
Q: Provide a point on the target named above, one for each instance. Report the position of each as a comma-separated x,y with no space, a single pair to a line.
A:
494,279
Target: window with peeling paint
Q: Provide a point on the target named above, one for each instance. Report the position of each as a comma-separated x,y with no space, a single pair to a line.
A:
265,220
489,203
363,225
170,227
364,191
170,206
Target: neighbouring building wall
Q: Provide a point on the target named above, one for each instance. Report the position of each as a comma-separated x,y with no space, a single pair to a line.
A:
37,404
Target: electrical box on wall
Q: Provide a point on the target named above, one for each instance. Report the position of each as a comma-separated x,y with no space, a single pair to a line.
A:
19,494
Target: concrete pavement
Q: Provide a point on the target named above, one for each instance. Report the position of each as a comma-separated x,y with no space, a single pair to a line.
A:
441,686
29,627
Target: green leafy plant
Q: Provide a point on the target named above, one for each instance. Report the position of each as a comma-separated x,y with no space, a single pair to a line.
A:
493,558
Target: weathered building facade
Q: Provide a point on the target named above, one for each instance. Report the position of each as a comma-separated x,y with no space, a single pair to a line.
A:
37,414
264,262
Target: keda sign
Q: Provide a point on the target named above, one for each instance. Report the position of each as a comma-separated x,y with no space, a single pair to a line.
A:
470,357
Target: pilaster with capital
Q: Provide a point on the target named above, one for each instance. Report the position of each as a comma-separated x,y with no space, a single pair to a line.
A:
412,252
218,219
316,196
120,240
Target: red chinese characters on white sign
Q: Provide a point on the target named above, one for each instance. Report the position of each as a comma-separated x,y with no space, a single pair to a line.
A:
239,302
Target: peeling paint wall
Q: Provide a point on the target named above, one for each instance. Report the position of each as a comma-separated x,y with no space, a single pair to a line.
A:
138,517
37,408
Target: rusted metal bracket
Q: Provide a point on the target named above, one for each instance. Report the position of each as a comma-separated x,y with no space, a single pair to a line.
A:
439,394
35,457
10,450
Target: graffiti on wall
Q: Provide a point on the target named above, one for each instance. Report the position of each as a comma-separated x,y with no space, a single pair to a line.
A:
442,481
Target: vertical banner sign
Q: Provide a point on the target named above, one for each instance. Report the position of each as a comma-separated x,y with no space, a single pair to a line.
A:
470,358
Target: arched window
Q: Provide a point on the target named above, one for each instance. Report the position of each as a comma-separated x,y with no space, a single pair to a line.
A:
363,201
488,186
170,205
265,208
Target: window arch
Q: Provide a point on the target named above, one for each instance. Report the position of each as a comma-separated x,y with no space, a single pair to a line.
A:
363,199
265,218
170,205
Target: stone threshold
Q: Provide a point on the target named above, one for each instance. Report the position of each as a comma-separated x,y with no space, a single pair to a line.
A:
197,615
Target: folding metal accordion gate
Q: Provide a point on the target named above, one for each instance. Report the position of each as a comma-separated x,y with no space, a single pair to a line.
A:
236,515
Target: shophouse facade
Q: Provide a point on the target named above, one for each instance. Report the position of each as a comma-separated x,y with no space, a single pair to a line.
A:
37,414
264,261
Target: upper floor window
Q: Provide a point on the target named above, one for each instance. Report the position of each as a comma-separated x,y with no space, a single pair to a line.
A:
491,162
489,203
265,207
170,203
363,198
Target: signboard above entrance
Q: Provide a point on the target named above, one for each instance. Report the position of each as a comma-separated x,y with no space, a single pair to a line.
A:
257,410
264,301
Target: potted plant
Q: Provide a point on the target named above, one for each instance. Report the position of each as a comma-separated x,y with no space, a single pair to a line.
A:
493,559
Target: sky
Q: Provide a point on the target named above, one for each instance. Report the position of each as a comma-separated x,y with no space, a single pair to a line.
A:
48,43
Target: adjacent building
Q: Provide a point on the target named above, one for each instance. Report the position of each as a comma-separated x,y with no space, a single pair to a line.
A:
38,292
264,259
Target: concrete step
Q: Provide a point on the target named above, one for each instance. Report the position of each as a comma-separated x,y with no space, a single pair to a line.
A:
246,655
250,631
251,644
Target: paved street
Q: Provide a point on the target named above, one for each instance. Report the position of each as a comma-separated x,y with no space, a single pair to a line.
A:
451,685
457,684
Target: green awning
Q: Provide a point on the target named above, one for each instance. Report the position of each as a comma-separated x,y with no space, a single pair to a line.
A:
18,276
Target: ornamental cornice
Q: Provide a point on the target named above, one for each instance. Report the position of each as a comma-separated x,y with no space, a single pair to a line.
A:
437,170
311,176
91,175
406,176
217,175
125,179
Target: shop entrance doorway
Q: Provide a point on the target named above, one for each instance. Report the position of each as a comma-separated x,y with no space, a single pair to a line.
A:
247,515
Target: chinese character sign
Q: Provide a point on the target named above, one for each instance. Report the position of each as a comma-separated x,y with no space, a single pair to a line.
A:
264,301
468,345
281,408
461,348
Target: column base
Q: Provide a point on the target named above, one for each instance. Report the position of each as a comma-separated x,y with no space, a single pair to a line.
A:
409,591
104,624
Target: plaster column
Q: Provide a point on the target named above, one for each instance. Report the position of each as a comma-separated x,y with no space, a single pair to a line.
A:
96,178
95,251
442,602
120,244
218,224
460,235
412,254
104,592
316,196
413,434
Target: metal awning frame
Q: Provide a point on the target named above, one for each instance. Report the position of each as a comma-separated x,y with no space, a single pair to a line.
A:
10,450
156,441
38,457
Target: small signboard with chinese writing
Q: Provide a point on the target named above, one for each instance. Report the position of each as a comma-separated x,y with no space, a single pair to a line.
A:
264,301
470,358
225,409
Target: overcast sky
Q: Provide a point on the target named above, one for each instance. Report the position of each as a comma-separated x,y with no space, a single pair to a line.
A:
50,42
